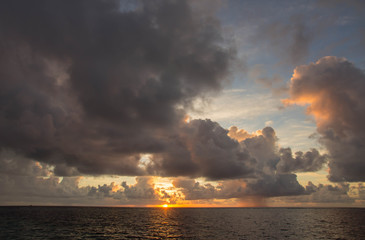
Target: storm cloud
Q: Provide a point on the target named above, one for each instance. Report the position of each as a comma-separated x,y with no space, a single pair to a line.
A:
87,86
333,88
203,148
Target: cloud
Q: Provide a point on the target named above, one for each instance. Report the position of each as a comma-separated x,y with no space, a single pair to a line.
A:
284,187
327,193
360,189
30,182
333,88
88,88
193,190
266,186
143,189
310,161
202,149
269,174
23,181
274,186
33,182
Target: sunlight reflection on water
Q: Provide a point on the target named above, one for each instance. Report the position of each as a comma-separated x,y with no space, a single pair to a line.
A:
175,223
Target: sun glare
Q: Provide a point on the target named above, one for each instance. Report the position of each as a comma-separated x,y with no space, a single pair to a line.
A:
165,206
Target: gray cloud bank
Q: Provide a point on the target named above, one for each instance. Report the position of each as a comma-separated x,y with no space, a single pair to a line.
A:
311,193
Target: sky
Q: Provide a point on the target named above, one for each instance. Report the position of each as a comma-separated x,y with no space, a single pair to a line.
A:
220,103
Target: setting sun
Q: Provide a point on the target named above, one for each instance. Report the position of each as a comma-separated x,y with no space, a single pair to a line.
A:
165,206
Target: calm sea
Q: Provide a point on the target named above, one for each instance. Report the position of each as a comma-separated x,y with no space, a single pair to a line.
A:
181,223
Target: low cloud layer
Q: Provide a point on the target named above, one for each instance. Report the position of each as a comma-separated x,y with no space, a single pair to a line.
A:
333,88
311,193
24,181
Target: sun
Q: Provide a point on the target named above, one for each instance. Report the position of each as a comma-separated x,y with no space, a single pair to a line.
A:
165,206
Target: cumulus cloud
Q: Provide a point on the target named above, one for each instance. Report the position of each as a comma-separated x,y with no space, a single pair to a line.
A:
203,149
143,189
238,134
271,169
310,161
333,88
193,190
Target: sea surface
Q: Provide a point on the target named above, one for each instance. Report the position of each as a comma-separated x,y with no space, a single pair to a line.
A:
181,223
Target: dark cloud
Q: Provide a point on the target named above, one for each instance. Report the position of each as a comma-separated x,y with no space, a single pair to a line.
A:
274,166
310,161
269,174
266,186
88,87
263,147
203,148
334,90
275,185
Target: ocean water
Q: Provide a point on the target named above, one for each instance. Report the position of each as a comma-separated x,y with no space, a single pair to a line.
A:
181,223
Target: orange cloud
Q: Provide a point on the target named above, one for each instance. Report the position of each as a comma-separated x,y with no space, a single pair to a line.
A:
333,91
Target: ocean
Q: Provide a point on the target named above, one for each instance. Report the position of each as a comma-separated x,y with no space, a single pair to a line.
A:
181,223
